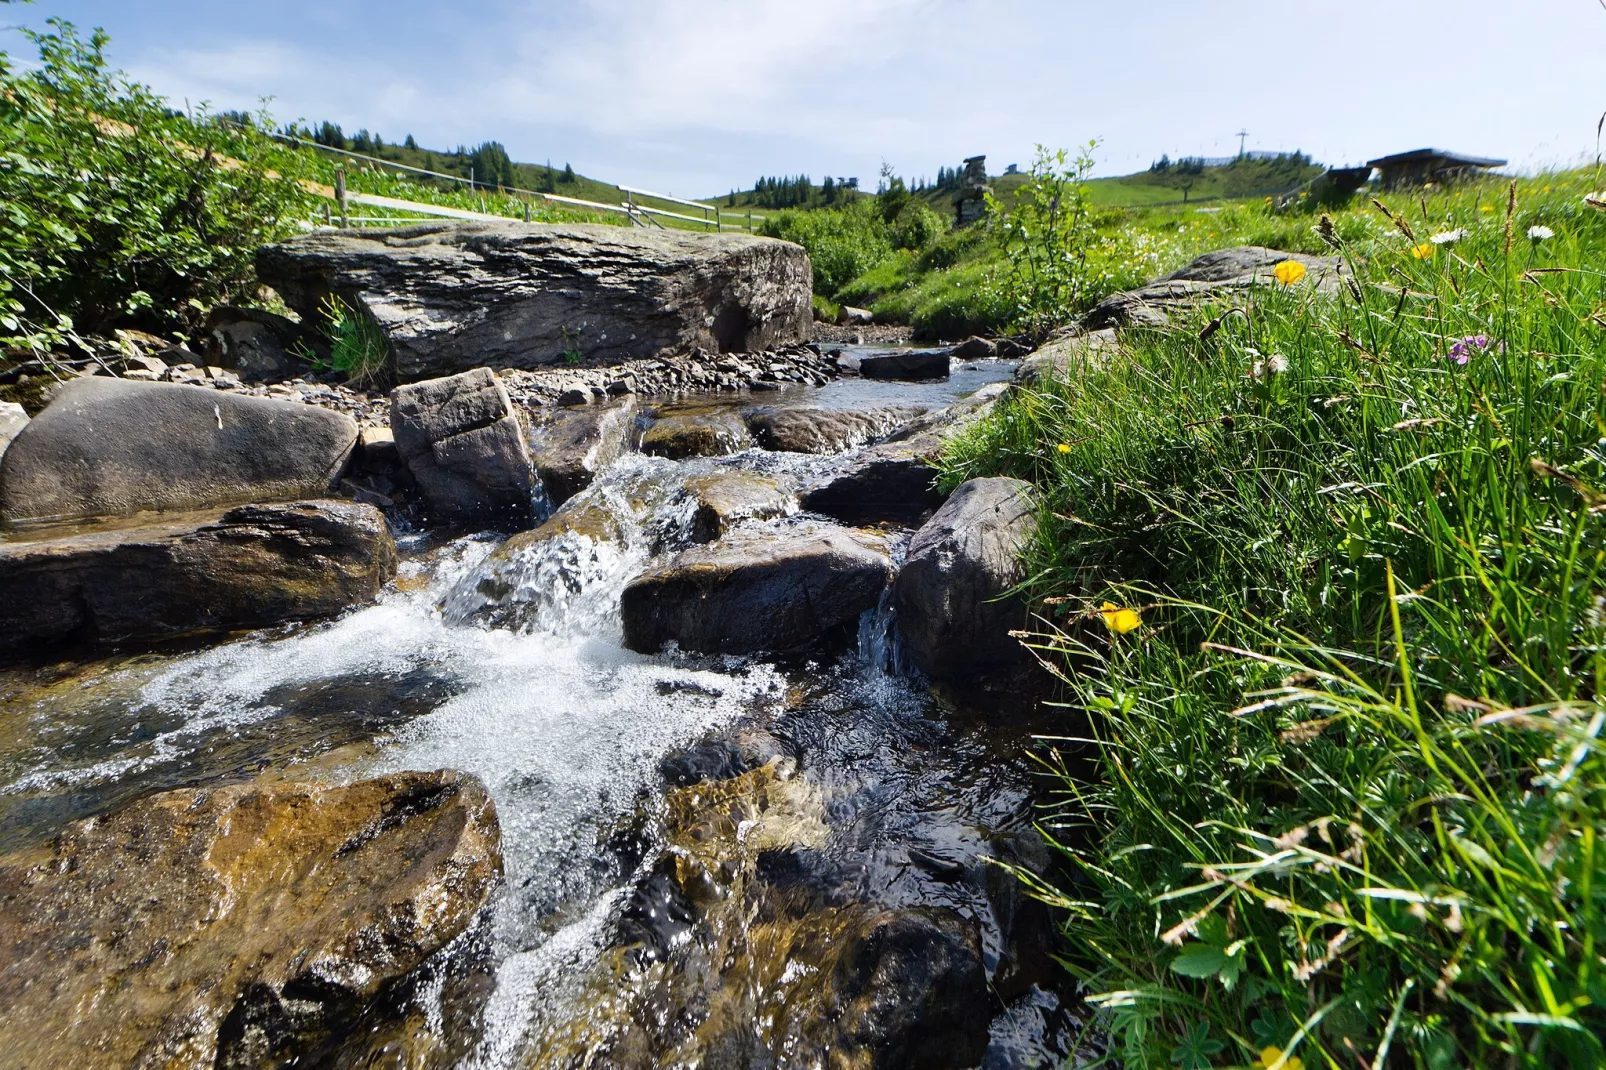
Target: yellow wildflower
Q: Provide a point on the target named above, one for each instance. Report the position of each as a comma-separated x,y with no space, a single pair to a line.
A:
1064,447
1423,251
1485,207
1288,272
1270,1056
1119,620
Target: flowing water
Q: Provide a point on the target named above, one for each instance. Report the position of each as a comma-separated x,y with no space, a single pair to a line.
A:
803,794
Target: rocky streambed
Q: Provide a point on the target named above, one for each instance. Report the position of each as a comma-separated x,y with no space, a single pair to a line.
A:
656,781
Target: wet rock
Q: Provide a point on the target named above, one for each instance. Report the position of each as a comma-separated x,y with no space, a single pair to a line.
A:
809,429
913,992
260,346
896,480
376,450
721,758
246,567
1214,275
758,589
706,433
234,926
1059,358
974,349
13,418
464,444
725,499
453,296
570,448
954,625
914,365
107,447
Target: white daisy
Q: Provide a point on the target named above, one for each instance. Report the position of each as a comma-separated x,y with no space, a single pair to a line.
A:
1449,237
1539,234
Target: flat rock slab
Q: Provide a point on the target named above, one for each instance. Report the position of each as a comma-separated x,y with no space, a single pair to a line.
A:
726,499
1061,357
571,446
811,429
715,432
230,926
758,589
952,615
910,366
465,445
1213,275
247,567
456,296
111,447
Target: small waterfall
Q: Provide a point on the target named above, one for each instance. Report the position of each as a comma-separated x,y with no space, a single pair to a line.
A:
880,647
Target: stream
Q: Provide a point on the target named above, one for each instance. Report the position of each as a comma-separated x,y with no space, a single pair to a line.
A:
800,798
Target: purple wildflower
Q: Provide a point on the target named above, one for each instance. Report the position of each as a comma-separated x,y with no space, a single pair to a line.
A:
1463,351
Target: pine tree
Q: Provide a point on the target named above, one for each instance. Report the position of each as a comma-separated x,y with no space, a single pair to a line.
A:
568,173
410,143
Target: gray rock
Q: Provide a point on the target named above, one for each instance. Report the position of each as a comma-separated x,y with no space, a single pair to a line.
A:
913,365
456,296
571,447
465,445
260,346
13,418
1059,358
234,925
107,447
714,432
222,570
725,499
1214,275
849,314
809,429
974,349
954,622
758,589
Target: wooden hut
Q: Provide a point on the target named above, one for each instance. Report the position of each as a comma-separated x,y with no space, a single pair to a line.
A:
1421,166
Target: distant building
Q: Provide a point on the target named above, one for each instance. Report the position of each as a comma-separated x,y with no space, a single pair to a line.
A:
970,203
1012,169
1421,166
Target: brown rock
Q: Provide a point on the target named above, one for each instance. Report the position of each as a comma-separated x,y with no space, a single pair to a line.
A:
230,926
725,499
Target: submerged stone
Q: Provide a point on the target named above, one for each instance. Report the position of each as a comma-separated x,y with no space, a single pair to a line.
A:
810,429
234,926
915,366
702,433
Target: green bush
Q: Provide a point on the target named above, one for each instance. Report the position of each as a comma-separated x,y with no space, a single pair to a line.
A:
119,210
1329,589
917,226
843,242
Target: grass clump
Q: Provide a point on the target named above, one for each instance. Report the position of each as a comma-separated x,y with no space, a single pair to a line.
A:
1350,775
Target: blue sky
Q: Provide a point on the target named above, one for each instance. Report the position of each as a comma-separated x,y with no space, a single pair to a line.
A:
697,96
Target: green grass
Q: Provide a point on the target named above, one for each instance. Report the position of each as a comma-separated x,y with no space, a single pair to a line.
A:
1349,780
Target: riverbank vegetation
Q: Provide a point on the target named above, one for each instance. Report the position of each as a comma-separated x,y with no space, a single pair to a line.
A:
1323,572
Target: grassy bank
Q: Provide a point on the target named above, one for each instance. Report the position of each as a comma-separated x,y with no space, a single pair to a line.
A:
1329,589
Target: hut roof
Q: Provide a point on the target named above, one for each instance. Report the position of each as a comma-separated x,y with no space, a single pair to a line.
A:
1442,156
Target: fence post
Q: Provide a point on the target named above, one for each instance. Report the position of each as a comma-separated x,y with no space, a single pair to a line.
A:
749,221
340,197
526,209
630,203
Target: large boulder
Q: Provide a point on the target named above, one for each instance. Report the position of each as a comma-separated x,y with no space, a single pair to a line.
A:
13,418
234,926
108,447
465,445
452,296
811,429
571,446
952,615
896,481
1224,273
757,589
245,567
1061,357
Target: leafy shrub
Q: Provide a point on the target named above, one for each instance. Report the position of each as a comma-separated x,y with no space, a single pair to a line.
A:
119,210
842,242
1351,770
1047,234
358,348
917,226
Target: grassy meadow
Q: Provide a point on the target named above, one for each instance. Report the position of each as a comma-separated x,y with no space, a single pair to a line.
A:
1324,578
